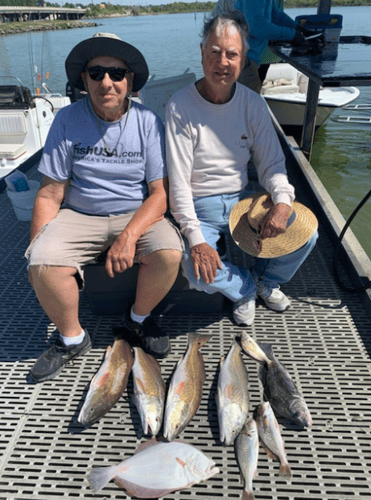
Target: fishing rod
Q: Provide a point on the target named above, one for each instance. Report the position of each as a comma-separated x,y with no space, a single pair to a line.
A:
347,224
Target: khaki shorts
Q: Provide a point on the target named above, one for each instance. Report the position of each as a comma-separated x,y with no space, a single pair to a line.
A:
73,239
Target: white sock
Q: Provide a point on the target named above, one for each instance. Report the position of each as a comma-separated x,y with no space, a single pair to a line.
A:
67,341
136,317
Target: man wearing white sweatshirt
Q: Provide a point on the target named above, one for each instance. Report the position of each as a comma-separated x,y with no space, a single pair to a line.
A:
213,128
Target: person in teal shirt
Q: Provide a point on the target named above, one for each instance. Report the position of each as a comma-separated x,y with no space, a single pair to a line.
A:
266,22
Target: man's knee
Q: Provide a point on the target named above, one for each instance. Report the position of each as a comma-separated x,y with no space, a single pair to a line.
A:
166,258
188,273
43,272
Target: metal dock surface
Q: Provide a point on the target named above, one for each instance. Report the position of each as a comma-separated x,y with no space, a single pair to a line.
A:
324,340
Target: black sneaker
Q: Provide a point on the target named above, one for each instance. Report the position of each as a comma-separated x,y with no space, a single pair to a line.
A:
52,361
150,337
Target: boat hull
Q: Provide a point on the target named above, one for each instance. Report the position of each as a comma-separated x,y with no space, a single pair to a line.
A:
285,91
292,114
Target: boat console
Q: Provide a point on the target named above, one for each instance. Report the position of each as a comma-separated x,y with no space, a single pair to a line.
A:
15,97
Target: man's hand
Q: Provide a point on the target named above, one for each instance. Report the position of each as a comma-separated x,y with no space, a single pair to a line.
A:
206,262
306,32
298,39
120,256
275,221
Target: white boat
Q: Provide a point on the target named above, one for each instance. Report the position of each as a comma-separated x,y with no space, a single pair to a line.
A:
25,121
285,91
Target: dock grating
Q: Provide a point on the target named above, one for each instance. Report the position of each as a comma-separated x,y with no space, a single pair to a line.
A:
323,340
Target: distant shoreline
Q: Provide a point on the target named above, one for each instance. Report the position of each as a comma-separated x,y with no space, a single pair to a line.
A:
43,25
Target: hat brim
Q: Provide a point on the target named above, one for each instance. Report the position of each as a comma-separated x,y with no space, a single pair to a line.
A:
104,46
295,236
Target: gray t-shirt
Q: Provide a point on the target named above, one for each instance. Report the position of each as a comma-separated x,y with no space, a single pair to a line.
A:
100,184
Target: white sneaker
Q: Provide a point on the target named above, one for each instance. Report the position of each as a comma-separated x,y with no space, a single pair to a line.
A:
244,311
274,298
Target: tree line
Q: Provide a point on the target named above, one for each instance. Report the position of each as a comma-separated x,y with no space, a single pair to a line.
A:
103,8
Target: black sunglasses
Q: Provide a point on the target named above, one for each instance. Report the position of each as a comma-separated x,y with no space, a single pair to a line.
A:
97,73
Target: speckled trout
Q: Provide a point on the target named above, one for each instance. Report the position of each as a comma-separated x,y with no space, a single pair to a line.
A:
232,395
246,448
270,434
156,469
108,384
185,391
149,391
279,388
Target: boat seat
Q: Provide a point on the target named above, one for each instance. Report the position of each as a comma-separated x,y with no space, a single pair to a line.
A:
280,89
12,124
281,79
12,151
156,93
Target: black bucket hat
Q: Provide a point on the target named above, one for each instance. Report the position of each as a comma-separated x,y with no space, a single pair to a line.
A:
105,44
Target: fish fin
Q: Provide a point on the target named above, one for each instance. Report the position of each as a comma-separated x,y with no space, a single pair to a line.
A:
183,464
248,495
102,380
137,491
178,389
270,453
100,477
285,470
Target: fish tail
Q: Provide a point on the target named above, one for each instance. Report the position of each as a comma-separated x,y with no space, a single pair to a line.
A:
248,495
252,349
199,338
100,477
285,470
267,349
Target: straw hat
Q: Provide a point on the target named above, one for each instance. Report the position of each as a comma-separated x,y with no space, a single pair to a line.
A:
247,215
105,44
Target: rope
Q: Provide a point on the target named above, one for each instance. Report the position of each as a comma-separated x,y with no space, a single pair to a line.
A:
367,285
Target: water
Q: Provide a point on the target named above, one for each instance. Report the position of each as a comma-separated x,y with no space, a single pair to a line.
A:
341,153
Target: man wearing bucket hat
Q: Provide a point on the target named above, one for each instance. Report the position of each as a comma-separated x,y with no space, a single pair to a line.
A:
213,129
104,187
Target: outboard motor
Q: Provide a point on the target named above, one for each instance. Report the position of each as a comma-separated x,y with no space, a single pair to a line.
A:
74,93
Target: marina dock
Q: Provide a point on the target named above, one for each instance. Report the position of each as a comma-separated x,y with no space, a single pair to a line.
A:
324,340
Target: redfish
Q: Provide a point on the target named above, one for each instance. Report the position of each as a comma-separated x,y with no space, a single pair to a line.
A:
185,391
149,391
108,384
232,395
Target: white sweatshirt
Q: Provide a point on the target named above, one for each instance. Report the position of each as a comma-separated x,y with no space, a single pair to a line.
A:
208,147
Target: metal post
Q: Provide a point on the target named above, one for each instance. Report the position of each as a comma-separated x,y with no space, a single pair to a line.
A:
310,118
324,7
